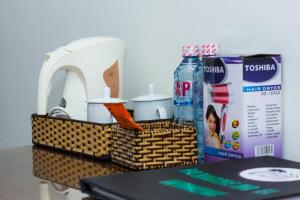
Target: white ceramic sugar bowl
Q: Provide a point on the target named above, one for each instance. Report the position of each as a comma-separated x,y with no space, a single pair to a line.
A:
152,106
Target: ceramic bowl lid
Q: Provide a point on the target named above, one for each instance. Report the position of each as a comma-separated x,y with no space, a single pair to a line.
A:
151,96
106,98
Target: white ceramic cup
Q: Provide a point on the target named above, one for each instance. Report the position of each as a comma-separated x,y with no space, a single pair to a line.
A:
152,106
97,112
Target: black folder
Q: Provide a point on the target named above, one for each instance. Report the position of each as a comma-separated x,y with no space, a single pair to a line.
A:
246,179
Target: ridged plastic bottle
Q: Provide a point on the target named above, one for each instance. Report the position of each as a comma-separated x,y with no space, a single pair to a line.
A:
183,84
206,50
198,109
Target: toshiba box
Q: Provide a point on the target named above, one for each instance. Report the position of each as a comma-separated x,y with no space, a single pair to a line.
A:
242,106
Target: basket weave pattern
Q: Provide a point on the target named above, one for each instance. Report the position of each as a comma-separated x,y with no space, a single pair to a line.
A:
161,144
72,135
68,170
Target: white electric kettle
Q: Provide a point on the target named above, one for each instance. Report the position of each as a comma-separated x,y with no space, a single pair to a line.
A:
90,63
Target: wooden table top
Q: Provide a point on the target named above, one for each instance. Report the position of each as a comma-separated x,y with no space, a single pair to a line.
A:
31,173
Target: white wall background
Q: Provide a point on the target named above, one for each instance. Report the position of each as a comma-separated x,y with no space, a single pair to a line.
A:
154,31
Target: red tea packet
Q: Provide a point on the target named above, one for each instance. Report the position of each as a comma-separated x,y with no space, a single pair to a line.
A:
121,114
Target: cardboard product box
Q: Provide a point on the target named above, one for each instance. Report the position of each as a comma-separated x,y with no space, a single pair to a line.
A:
242,107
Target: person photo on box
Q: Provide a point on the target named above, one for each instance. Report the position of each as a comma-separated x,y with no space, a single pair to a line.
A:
212,138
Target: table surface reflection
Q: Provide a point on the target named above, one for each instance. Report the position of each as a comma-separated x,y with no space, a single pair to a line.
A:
36,173
31,173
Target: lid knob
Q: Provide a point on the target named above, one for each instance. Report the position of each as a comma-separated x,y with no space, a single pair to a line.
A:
106,93
151,89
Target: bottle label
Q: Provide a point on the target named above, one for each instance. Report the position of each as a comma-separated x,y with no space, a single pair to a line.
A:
184,93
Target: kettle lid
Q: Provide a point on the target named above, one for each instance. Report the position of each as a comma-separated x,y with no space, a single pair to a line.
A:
86,42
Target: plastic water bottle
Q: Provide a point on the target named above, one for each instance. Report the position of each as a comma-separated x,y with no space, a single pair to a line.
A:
183,84
206,50
198,109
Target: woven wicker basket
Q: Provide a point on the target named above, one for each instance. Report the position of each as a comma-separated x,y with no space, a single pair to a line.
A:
67,170
81,137
161,144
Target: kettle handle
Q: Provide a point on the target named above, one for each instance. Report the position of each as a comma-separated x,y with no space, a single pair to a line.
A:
49,68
